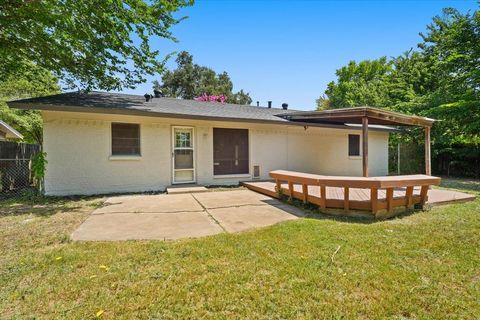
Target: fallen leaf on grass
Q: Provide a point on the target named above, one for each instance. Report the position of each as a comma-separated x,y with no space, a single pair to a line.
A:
99,313
104,267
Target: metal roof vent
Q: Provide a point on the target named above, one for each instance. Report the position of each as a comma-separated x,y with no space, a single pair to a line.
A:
269,104
284,106
148,97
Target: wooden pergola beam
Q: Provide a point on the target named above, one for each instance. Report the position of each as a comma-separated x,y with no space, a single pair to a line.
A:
356,114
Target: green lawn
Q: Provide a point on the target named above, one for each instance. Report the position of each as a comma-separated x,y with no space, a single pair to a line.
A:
422,266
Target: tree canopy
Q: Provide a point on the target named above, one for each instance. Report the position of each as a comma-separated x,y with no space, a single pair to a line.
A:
190,80
29,81
86,44
440,80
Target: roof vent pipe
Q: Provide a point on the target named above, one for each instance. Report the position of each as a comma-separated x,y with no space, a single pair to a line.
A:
269,104
148,97
157,93
284,106
258,103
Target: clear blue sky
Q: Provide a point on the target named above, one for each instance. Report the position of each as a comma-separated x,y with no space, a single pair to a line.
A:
287,51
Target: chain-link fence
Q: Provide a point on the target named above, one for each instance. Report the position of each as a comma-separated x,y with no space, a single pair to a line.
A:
412,158
15,167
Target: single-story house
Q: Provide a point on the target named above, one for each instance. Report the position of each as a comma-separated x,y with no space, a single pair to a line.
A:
8,133
100,142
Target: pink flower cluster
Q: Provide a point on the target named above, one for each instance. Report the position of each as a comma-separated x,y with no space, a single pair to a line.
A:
212,98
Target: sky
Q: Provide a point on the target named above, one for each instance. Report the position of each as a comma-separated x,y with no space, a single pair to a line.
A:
288,51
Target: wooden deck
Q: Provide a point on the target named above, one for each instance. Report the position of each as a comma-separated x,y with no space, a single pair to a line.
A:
378,197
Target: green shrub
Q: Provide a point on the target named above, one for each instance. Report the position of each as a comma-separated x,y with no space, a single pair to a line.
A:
39,162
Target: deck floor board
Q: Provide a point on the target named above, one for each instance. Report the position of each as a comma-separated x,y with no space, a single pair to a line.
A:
436,196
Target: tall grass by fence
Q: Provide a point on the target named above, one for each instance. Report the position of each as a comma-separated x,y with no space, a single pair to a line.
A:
15,167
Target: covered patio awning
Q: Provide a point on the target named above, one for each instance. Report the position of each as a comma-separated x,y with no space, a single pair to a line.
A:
7,132
366,116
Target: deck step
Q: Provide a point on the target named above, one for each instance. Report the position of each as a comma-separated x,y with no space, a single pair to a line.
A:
186,188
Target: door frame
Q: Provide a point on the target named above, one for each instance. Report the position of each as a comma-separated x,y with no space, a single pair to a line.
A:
194,180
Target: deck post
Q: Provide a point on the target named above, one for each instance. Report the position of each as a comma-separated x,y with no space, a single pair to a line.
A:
428,170
323,197
346,198
278,186
290,189
424,194
408,197
365,146
305,192
374,200
389,199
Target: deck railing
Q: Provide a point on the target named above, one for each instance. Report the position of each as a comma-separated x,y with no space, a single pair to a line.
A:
378,196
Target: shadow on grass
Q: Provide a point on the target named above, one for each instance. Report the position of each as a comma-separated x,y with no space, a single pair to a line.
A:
311,211
44,206
34,203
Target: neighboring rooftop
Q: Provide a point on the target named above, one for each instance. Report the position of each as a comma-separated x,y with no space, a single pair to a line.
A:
120,103
8,131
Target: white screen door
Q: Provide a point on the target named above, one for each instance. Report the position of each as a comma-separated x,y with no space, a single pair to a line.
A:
183,155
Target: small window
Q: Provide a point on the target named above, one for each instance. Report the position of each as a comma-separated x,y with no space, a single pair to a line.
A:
125,139
353,145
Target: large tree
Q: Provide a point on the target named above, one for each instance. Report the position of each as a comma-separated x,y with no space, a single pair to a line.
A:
190,80
27,82
360,83
89,44
440,80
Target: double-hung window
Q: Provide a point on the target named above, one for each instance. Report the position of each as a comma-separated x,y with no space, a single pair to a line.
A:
125,139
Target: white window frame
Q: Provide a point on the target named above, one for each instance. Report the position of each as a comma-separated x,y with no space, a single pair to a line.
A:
194,175
132,157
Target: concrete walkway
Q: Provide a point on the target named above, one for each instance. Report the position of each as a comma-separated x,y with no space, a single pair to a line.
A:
175,216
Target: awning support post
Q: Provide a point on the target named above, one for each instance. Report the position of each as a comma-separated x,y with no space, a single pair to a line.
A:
428,168
365,146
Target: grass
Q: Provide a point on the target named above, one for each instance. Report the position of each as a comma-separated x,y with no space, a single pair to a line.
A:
421,266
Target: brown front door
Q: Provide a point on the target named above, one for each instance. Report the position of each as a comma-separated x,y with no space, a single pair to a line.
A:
230,151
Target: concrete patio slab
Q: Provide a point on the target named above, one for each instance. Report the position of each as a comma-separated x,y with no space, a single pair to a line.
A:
175,216
161,203
236,219
234,198
146,226
438,197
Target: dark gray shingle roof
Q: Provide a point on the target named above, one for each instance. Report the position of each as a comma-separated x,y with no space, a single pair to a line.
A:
120,103
112,102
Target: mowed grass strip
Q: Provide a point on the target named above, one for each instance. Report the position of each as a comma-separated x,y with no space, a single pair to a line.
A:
422,266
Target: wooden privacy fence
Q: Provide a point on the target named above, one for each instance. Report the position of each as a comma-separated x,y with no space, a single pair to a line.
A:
15,167
380,197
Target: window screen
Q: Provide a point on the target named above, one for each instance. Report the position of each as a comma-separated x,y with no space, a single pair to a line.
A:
125,139
353,145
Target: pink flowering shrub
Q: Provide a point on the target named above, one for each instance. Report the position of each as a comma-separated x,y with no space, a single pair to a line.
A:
212,98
